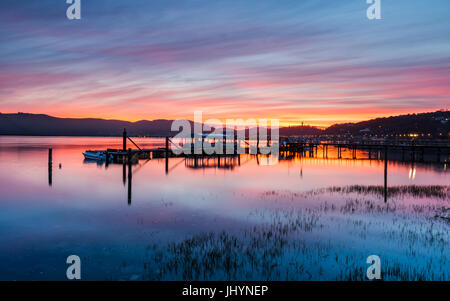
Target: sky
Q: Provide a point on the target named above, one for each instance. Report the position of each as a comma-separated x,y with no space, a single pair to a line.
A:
318,62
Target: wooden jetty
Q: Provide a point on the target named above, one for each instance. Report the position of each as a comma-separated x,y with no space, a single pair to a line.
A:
401,152
288,148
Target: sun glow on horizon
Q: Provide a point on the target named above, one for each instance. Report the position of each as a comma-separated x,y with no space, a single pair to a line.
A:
318,121
162,61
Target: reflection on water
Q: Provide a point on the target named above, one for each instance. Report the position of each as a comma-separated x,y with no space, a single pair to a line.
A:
303,218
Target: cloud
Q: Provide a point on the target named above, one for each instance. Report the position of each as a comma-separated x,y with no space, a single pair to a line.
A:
306,60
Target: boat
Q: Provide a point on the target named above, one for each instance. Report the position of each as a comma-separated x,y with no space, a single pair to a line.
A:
94,155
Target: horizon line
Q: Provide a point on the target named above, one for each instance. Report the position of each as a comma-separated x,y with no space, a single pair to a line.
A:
282,124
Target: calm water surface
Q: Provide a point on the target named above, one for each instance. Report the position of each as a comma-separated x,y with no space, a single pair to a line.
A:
300,219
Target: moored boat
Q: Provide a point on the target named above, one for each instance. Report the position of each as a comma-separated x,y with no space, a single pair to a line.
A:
94,155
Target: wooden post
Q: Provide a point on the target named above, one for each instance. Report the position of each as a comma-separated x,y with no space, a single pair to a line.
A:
124,172
167,155
129,155
50,156
50,167
257,144
124,140
106,158
385,173
167,146
130,176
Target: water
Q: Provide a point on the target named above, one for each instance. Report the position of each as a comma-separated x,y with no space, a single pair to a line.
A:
300,219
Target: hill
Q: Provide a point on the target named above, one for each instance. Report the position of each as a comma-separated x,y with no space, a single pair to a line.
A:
44,125
435,123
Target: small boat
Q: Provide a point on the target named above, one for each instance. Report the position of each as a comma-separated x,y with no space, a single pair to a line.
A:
94,155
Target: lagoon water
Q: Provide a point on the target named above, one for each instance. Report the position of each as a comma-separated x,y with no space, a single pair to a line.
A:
299,219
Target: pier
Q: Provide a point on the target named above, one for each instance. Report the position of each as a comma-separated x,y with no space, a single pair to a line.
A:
288,149
397,152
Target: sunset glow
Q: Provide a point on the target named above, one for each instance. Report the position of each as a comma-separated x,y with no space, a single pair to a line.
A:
317,62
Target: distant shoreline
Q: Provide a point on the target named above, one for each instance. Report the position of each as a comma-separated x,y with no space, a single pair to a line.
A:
72,136
435,125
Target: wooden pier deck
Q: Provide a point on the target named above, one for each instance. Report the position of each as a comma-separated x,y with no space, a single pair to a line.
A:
288,150
400,151
403,152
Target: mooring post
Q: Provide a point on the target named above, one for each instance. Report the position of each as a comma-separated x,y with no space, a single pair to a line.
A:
50,166
50,156
130,176
124,140
385,173
257,144
167,146
106,158
167,155
124,172
129,156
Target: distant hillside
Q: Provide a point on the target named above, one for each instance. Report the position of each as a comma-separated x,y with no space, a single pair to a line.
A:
424,123
44,125
300,131
37,125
